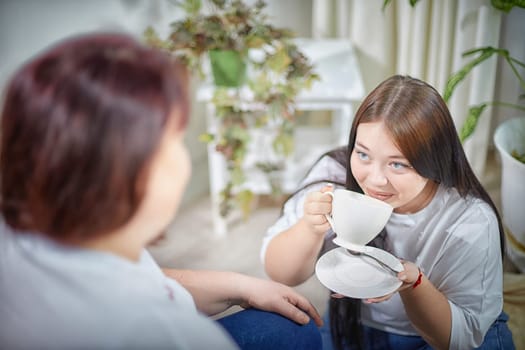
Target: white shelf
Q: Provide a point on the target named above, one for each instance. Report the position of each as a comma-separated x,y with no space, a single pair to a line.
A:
340,86
334,61
295,166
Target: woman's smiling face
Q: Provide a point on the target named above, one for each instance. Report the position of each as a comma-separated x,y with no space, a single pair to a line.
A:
383,172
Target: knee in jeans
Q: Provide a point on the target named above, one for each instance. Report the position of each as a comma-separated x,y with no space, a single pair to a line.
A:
308,336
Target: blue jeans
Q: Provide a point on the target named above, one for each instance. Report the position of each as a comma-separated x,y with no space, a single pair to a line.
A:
257,330
498,337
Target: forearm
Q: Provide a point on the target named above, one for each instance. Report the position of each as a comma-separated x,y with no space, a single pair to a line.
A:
212,291
291,256
215,291
429,311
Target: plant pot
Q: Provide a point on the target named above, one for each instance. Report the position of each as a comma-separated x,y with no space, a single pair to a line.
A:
228,68
510,136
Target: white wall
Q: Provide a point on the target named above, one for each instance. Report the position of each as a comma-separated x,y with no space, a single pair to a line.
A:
28,26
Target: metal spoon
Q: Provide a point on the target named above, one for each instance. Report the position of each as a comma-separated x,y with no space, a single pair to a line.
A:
381,256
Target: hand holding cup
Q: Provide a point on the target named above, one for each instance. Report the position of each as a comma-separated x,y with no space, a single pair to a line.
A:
316,206
357,218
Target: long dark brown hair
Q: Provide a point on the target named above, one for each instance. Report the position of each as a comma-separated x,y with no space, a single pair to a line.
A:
422,128
79,126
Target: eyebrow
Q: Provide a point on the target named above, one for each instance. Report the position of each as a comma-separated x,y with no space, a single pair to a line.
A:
395,156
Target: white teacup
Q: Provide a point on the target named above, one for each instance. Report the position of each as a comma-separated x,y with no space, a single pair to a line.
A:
357,218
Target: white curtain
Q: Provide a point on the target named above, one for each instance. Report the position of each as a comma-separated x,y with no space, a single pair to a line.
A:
425,41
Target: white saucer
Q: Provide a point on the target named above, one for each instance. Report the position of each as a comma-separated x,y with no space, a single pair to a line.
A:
356,276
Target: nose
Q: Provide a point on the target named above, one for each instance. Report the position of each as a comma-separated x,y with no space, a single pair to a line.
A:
377,176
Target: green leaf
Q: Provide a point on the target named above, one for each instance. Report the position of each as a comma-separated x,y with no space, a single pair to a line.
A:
239,153
518,156
244,200
254,41
222,97
219,3
283,144
237,176
512,63
457,77
261,85
152,39
262,120
226,205
240,134
387,2
192,7
279,61
507,5
471,122
206,137
268,167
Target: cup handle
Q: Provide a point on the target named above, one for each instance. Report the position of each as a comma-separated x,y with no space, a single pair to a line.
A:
329,216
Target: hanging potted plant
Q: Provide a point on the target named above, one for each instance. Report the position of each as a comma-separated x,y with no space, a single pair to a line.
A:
234,38
228,68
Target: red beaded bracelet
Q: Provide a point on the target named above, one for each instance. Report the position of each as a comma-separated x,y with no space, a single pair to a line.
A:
418,281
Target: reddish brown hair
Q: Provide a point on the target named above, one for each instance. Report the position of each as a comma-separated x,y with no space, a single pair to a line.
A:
80,123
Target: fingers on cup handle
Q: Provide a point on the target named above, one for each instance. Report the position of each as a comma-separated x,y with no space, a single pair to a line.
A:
329,192
328,189
330,221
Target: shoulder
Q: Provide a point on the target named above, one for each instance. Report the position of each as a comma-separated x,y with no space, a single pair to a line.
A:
325,169
106,304
469,217
464,262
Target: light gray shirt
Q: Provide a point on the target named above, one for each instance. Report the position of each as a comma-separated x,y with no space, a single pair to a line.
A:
454,240
58,297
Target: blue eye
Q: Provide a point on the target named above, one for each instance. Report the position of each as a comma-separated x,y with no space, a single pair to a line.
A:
362,156
399,166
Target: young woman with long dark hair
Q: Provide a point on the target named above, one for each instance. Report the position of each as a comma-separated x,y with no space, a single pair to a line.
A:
403,149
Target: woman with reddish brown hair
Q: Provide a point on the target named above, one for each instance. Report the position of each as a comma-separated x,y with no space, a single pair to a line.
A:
93,166
403,149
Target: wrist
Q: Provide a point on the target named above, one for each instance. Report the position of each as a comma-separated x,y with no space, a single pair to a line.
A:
311,229
237,295
412,280
419,279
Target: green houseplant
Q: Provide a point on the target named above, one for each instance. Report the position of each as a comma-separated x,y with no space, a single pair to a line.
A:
474,112
480,55
279,71
509,139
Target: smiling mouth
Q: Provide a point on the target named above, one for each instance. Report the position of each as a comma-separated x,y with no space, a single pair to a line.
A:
379,195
